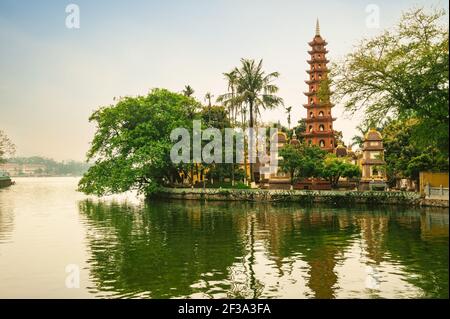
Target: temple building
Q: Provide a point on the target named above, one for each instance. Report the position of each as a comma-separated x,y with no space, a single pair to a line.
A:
277,179
372,162
319,122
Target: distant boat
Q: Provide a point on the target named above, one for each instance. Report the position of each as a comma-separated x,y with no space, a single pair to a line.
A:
5,181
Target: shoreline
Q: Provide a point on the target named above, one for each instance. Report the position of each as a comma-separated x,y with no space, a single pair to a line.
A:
301,196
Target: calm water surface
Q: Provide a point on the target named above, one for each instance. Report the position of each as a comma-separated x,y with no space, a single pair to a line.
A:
125,248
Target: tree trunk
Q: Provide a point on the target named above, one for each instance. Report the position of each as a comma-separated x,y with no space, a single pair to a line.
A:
292,180
232,173
243,120
251,140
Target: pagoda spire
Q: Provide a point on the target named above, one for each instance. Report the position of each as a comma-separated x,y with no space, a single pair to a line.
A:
317,27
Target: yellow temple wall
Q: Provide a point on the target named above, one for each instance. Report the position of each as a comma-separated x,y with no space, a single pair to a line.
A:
434,179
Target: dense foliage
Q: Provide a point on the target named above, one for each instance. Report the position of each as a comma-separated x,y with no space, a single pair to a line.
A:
131,147
302,161
334,168
404,157
403,73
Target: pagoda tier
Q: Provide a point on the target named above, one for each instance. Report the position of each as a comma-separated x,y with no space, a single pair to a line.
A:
320,133
313,92
319,120
312,81
317,51
315,42
320,105
317,70
318,61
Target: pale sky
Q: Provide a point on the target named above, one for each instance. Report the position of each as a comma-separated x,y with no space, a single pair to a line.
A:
52,78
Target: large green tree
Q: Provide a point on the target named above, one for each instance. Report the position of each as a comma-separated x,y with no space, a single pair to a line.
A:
333,168
301,161
404,73
131,147
404,157
291,161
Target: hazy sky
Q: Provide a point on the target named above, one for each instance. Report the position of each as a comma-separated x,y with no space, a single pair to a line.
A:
52,77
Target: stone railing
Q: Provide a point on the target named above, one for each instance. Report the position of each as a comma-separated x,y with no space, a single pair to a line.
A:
436,192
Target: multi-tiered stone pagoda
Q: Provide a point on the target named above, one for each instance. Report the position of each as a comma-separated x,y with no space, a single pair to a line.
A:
319,122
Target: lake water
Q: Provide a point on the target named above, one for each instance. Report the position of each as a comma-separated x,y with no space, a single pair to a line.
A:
58,243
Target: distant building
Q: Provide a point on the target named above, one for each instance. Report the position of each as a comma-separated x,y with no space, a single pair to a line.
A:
15,169
11,169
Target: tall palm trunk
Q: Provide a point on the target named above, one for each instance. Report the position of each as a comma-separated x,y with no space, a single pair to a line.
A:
250,104
244,120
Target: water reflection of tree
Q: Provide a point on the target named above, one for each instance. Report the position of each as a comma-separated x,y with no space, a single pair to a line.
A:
426,261
159,250
407,238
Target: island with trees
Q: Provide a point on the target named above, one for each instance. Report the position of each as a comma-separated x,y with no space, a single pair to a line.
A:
398,80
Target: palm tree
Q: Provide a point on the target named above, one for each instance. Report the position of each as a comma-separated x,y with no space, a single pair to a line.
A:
234,106
208,97
288,111
188,91
255,89
229,99
359,139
